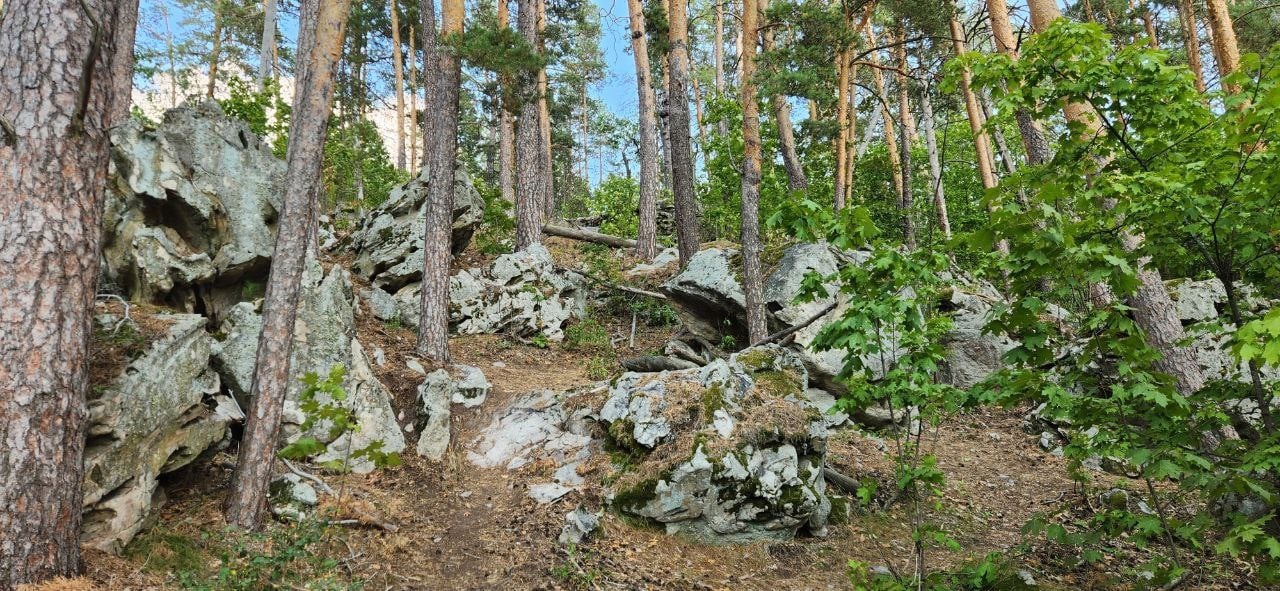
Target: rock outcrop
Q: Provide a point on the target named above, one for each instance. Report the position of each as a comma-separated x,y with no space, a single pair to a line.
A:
388,245
324,337
521,294
731,452
161,413
191,210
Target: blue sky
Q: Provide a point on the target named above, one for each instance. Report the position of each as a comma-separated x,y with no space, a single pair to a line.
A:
618,91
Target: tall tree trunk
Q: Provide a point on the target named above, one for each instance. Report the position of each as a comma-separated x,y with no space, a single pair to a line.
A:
681,152
1153,309
397,64
53,167
796,180
427,10
935,164
1191,40
1149,24
842,131
126,27
433,324
977,121
1225,48
506,123
413,100
321,27
647,237
544,121
215,55
1034,143
530,182
851,126
890,137
267,51
717,51
752,276
899,38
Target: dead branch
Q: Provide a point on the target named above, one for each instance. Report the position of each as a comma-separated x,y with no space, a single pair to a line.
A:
782,334
587,236
609,284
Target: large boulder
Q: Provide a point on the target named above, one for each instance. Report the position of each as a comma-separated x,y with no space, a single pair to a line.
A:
191,210
324,337
538,430
708,297
521,293
388,244
731,452
973,355
1196,301
159,414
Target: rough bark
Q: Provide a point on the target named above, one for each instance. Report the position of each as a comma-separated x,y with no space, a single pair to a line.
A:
427,9
397,64
126,29
321,28
842,132
1225,48
647,236
53,158
506,126
906,201
530,182
433,324
544,121
1034,143
796,180
678,123
267,51
752,276
1191,40
588,236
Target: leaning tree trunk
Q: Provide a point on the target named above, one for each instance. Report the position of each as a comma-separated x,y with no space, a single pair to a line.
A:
267,52
397,65
126,27
1034,143
752,280
678,124
530,182
1225,48
1153,309
55,107
935,164
796,180
647,236
433,324
320,33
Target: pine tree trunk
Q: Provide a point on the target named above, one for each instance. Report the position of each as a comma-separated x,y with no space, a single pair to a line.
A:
890,136
267,51
796,180
215,55
53,158
678,124
1225,49
427,9
320,32
647,237
842,132
906,201
722,126
1191,40
544,122
529,160
977,121
433,324
1034,143
397,64
413,99
935,164
752,276
126,27
1149,24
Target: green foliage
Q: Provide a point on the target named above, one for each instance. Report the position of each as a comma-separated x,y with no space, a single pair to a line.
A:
357,171
265,111
992,573
282,557
327,419
617,201
1193,180
504,52
497,231
591,337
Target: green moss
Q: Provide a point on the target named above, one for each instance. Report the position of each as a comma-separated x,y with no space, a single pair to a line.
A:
794,496
777,383
712,400
163,551
839,510
757,360
622,446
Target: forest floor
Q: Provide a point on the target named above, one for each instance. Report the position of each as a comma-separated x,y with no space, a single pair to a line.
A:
458,526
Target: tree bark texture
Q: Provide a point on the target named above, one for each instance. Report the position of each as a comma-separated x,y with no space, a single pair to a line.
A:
796,180
397,65
267,51
321,30
530,182
126,30
433,324
935,164
647,236
1034,143
907,201
506,125
544,120
1225,48
752,276
1191,40
55,107
678,124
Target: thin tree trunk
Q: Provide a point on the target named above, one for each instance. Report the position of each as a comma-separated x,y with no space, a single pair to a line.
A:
321,28
413,100
851,127
433,324
506,130
890,137
530,182
1034,143
718,50
681,152
267,51
935,164
397,64
842,131
647,237
908,135
1226,50
53,167
796,180
1191,40
126,27
544,121
215,55
752,279
977,122
173,60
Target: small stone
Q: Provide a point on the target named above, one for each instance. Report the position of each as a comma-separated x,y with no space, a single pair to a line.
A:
416,366
498,364
465,494
548,492
579,524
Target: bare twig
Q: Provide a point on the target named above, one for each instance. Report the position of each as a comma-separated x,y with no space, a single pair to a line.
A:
777,336
600,280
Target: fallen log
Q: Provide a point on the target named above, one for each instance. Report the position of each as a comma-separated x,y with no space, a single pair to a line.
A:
786,332
606,283
656,363
552,229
